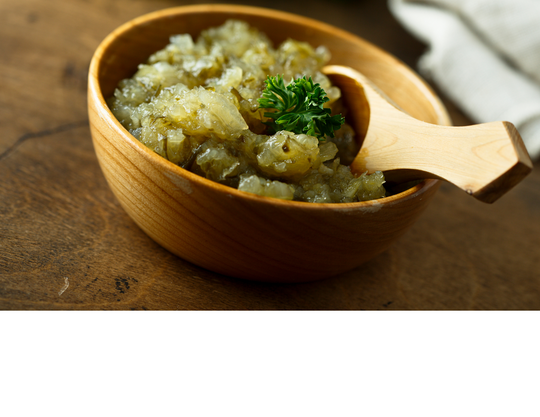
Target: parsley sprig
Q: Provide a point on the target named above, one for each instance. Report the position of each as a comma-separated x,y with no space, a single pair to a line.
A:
298,107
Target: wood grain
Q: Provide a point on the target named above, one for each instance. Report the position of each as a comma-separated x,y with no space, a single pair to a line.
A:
59,218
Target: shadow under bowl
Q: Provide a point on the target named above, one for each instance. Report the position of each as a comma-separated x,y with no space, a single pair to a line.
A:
229,231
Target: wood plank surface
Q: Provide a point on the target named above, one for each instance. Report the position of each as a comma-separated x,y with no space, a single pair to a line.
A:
65,243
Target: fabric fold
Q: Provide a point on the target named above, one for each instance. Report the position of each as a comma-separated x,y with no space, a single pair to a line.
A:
479,57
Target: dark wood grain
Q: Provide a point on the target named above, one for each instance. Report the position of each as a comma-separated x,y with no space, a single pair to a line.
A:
59,219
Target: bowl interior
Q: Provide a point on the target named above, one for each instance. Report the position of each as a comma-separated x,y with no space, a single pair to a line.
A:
134,42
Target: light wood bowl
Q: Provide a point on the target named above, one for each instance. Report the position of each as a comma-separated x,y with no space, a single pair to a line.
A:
229,231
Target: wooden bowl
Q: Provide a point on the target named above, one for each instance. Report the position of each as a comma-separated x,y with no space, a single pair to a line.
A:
229,231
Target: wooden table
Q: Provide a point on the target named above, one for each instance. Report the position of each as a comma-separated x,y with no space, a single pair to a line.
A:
65,243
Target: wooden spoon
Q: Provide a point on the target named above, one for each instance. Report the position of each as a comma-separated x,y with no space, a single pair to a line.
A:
485,160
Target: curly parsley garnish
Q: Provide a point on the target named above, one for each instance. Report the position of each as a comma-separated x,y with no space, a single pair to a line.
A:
298,107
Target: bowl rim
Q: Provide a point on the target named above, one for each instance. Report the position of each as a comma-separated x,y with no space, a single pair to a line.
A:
95,93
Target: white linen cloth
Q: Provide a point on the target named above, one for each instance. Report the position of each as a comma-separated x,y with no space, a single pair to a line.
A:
484,55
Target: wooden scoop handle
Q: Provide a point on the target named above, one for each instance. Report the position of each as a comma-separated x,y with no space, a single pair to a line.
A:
485,160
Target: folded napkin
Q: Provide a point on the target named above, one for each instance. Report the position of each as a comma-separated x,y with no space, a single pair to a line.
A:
484,55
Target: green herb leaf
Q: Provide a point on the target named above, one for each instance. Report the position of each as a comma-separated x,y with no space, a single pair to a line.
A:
298,107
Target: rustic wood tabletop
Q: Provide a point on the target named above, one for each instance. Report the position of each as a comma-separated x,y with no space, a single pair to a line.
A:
66,244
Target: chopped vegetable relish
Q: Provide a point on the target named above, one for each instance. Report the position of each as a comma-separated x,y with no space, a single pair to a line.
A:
201,105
